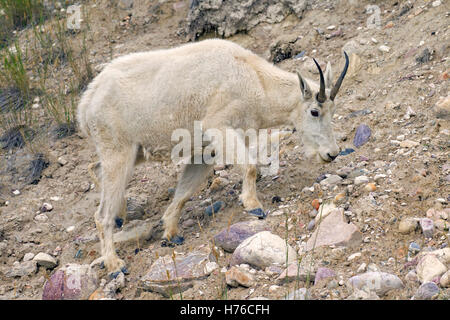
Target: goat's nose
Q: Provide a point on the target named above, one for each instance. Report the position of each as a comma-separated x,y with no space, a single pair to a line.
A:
332,157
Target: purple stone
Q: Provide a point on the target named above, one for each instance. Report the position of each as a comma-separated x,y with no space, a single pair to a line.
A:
323,273
230,238
362,135
427,226
72,282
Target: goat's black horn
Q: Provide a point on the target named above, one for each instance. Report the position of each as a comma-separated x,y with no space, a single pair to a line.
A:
336,87
321,97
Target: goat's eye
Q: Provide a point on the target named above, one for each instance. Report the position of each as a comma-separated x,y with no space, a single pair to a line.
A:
315,113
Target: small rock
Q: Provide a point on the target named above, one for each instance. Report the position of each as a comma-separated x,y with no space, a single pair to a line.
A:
408,144
22,269
46,207
407,225
379,282
262,250
362,135
231,237
427,291
360,180
311,225
71,282
384,48
354,256
300,294
370,187
236,276
429,267
324,210
62,161
331,180
169,275
427,226
436,3
445,280
412,276
334,230
28,256
362,268
214,208
41,217
323,275
45,260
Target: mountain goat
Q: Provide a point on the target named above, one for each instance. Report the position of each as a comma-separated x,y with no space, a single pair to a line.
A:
138,100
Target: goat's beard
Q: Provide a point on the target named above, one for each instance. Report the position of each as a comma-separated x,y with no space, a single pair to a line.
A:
313,154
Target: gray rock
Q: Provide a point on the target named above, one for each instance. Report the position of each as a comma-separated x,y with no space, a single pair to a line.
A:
323,275
331,180
427,226
45,260
22,269
230,238
262,250
71,282
378,282
427,291
362,135
300,294
230,17
168,276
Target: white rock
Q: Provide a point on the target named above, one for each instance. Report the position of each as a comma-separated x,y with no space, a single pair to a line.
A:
324,210
445,280
429,267
361,179
62,161
70,229
16,192
362,268
45,260
41,217
384,48
210,267
436,3
354,256
378,282
28,256
262,250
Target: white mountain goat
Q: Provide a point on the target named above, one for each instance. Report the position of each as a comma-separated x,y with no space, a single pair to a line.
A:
137,101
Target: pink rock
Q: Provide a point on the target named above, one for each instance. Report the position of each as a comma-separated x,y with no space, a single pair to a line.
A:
323,274
71,282
334,230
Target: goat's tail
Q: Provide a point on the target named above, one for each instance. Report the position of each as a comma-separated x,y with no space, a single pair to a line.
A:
84,104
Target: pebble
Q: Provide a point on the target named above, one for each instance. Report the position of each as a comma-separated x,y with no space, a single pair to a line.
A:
407,225
299,294
45,260
236,276
62,161
70,229
362,135
28,256
231,237
408,144
324,210
362,268
436,3
323,274
41,217
215,207
360,180
414,248
370,187
445,280
22,269
331,180
354,256
427,226
427,291
412,276
384,48
46,207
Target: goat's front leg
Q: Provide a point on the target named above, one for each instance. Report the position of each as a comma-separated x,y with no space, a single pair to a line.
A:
248,196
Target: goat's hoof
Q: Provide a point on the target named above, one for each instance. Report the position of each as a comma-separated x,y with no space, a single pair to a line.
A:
258,213
115,274
176,240
119,222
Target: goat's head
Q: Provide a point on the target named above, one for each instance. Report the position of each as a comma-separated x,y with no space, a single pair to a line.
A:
315,113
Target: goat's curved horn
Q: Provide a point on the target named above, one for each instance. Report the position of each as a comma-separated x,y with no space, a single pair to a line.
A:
321,97
336,87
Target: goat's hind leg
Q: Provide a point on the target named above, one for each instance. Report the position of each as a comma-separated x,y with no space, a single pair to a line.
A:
191,178
117,166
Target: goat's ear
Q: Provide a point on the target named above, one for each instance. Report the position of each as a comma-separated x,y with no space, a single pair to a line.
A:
328,76
304,87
